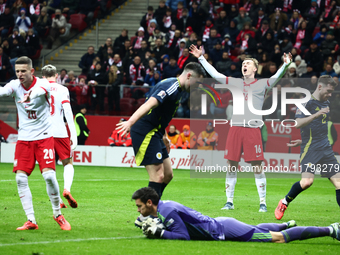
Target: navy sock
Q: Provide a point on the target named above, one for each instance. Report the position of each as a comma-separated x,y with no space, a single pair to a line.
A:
273,226
302,233
337,192
163,186
156,186
294,191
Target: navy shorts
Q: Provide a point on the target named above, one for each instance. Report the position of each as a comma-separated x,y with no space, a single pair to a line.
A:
317,161
149,149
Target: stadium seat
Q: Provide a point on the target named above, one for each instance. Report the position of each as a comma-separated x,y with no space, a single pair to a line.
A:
126,108
127,92
131,101
78,21
108,5
37,54
132,39
316,30
95,15
140,102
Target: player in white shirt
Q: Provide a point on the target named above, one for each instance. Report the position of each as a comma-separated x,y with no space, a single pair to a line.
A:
63,145
242,137
35,140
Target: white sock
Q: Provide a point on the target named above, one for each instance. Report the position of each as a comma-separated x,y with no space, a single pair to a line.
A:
68,176
284,201
261,184
52,189
25,196
230,183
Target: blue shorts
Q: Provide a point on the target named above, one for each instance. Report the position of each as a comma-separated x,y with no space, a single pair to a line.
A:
149,149
235,230
317,161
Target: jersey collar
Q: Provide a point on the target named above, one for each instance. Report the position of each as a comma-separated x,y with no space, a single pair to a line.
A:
179,84
32,85
248,84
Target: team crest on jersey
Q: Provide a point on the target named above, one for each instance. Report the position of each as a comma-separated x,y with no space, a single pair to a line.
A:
169,222
158,155
298,111
161,94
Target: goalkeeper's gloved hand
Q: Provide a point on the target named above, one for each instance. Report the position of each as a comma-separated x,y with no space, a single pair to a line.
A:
152,229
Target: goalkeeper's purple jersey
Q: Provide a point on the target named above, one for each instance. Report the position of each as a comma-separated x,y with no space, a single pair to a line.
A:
185,223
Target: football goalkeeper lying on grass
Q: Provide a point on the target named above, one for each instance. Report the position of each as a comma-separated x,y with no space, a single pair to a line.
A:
176,221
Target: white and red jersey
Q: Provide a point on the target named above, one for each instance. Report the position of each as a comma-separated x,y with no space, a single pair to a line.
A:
59,96
34,116
259,89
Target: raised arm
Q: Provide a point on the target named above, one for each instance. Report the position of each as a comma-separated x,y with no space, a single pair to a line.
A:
209,68
6,91
287,59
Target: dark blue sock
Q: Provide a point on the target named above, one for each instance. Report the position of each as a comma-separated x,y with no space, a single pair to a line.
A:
163,186
302,233
273,226
294,191
156,186
337,192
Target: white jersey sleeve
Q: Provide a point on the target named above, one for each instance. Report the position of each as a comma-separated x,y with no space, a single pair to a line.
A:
59,96
34,116
7,90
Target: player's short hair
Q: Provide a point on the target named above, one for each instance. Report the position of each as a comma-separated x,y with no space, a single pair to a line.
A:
256,63
24,61
146,193
325,80
195,67
49,71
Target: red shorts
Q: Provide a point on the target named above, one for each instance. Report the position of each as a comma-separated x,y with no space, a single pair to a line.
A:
62,147
243,139
27,152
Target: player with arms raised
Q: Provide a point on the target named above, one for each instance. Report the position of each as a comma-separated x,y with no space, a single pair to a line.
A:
35,140
241,136
316,150
148,123
63,145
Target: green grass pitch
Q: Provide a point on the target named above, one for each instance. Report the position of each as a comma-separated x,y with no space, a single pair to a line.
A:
103,222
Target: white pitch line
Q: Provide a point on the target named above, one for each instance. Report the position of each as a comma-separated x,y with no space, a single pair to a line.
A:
72,240
88,180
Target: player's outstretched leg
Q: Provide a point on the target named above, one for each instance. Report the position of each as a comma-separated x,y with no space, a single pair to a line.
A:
278,227
302,233
68,179
295,190
26,201
52,188
230,183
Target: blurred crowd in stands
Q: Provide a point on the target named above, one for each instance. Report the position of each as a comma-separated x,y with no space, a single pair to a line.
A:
228,31
26,24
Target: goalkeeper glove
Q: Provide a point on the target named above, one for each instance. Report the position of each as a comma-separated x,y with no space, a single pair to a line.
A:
152,229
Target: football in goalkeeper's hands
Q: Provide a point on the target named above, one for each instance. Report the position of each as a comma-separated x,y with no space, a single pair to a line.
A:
151,226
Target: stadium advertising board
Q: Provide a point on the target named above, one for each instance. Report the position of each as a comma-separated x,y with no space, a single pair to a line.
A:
197,160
